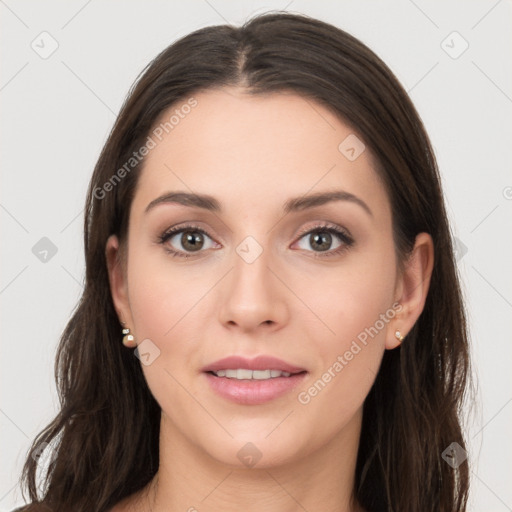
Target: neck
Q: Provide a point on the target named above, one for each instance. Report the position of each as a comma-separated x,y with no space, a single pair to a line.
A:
190,480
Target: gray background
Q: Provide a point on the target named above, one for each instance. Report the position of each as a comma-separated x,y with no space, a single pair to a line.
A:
58,110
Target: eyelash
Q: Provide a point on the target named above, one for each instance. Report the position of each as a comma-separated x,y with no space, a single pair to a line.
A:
346,240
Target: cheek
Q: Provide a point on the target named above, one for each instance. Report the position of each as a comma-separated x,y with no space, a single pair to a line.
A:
349,351
348,300
352,309
161,294
164,306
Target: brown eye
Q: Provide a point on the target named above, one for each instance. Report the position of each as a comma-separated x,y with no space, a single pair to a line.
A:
320,240
185,239
192,240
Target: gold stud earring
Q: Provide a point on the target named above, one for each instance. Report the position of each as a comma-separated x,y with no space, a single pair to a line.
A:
128,339
399,336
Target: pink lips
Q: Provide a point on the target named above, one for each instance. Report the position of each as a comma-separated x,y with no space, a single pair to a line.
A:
258,363
253,391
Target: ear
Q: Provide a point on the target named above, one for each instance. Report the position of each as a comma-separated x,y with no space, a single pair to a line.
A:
118,281
412,288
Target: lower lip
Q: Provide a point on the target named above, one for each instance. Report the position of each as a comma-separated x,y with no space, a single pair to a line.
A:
253,392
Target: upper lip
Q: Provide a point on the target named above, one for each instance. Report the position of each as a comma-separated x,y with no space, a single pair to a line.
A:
258,363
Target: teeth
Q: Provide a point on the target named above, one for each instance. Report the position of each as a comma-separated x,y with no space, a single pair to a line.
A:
243,374
260,374
239,374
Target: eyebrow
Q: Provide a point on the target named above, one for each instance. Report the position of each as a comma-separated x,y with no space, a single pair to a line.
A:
209,203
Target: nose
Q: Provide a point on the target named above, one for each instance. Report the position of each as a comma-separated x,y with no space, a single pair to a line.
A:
252,296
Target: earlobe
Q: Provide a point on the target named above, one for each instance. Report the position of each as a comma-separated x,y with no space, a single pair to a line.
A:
394,338
413,289
117,279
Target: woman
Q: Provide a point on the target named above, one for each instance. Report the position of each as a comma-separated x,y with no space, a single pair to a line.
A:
265,230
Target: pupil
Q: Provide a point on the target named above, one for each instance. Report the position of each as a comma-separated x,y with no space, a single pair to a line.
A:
188,239
327,239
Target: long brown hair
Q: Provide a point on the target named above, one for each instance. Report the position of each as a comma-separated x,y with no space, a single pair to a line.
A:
105,439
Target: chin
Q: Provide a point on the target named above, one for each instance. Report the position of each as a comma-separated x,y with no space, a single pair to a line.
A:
259,451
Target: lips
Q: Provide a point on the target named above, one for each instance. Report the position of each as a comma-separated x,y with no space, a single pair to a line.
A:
258,363
252,381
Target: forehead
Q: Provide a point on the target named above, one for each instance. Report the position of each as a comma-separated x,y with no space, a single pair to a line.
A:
254,149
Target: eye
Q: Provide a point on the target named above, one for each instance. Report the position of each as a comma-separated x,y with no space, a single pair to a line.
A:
191,238
320,239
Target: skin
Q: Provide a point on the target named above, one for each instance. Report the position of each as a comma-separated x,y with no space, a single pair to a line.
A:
253,154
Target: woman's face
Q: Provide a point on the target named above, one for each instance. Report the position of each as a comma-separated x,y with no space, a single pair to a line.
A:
257,282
